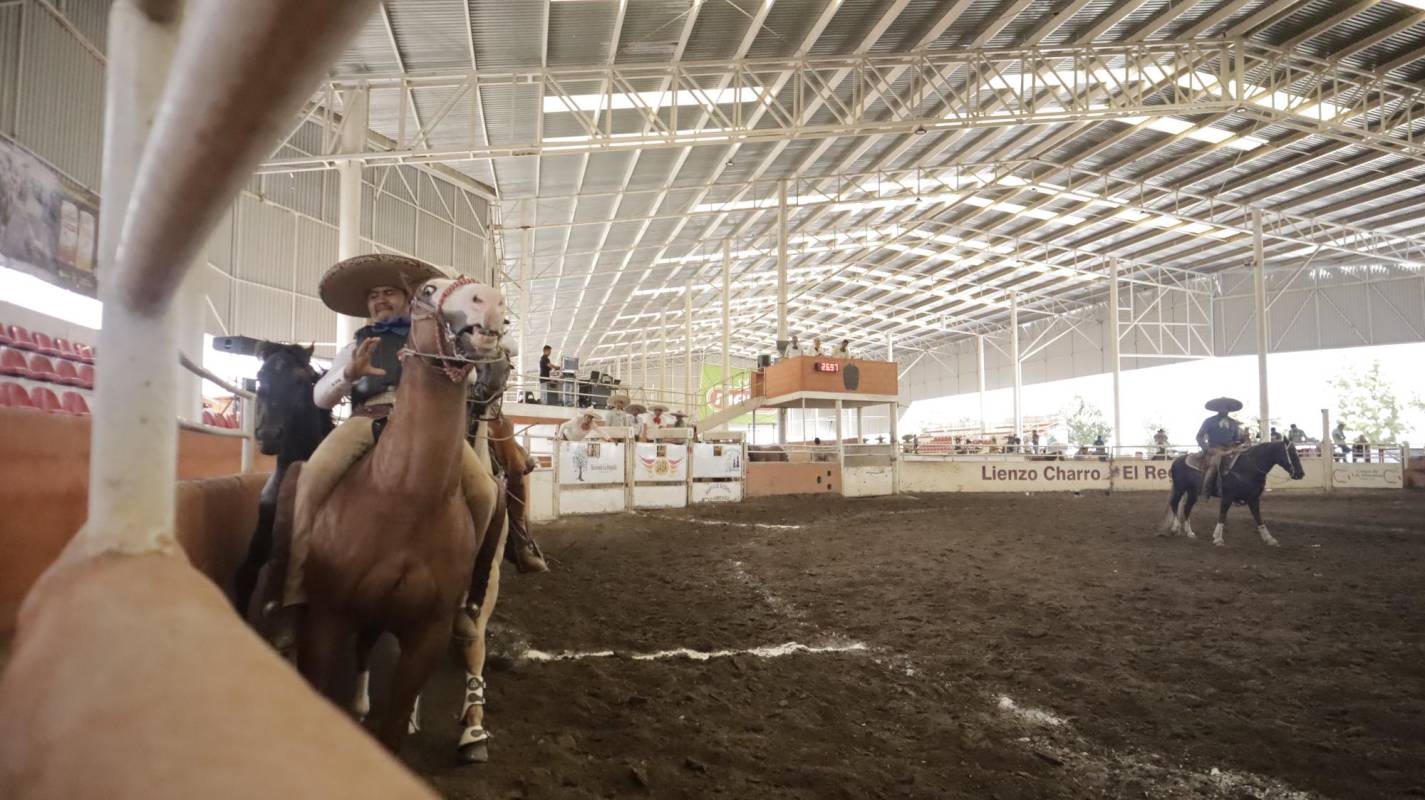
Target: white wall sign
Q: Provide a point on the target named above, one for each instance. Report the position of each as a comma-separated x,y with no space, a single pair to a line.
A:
1368,476
662,463
717,460
589,463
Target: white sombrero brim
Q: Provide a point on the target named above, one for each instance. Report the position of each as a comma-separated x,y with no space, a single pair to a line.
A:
346,284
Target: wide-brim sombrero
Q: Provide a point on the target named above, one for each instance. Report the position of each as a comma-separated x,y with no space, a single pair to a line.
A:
657,407
346,284
1221,404
619,398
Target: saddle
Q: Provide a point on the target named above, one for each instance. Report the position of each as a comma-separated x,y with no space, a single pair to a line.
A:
1198,460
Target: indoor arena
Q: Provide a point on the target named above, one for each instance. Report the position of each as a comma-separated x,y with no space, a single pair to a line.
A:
686,398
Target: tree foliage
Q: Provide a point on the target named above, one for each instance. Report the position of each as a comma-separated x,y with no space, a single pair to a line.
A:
1368,404
1084,421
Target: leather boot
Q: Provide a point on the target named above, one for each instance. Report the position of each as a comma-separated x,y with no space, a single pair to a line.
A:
523,550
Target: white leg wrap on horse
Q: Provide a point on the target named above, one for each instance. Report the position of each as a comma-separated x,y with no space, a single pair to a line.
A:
1217,535
474,694
361,702
1173,522
1267,537
413,724
1187,529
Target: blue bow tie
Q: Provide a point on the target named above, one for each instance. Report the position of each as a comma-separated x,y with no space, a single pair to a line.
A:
401,326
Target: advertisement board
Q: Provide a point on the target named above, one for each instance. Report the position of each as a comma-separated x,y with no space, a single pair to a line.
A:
590,463
1367,476
48,227
655,462
716,396
717,461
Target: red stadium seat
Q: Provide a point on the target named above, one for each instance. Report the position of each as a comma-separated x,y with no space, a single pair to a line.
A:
13,362
42,369
66,349
73,402
86,353
45,400
13,395
44,344
20,337
5,334
86,376
209,419
65,373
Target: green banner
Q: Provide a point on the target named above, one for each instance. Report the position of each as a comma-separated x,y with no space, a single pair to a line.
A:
716,396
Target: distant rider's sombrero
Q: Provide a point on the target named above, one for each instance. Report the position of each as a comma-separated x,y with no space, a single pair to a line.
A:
657,407
345,285
1224,404
618,400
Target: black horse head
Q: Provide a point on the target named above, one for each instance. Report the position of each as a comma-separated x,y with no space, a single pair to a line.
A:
289,423
1289,461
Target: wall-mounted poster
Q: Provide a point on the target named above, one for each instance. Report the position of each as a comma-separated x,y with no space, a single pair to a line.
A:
584,463
665,463
48,226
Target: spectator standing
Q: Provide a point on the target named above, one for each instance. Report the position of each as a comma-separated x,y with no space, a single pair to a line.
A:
580,427
1363,449
842,350
1099,447
1276,435
1161,440
546,380
1338,438
1034,441
816,347
1295,435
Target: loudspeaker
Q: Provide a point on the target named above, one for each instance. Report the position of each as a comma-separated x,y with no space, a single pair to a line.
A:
594,375
764,361
241,345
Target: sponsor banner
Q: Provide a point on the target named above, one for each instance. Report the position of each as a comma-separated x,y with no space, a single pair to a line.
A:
717,460
1368,476
716,396
48,227
665,496
660,463
1022,475
717,492
590,463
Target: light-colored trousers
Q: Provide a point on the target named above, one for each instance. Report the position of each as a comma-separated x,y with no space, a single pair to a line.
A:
342,448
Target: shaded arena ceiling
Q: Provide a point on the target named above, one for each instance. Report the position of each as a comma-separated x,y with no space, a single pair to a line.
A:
939,159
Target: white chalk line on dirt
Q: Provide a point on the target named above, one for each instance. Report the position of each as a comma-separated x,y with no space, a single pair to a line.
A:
688,654
1355,527
696,521
1079,754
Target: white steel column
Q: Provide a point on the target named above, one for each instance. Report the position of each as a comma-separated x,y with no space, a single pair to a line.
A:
354,123
688,387
840,439
1260,285
1328,450
663,358
980,363
890,347
644,397
1113,349
860,425
524,360
1014,356
726,315
782,260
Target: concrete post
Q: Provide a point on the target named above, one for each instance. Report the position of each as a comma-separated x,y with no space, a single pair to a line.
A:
782,259
1014,357
726,313
1259,281
980,364
1113,350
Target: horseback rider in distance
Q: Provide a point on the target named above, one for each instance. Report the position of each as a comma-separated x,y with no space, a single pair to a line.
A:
1219,435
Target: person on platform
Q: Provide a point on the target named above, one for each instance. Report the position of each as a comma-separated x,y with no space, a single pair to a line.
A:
1218,436
657,417
1338,438
816,347
842,350
546,379
794,349
1100,448
617,416
1362,451
583,425
1276,435
1161,440
1295,435
1034,441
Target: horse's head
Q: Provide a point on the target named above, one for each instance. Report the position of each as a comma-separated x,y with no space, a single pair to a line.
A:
471,319
1291,462
284,389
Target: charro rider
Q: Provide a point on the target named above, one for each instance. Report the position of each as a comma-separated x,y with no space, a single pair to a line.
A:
368,369
1219,435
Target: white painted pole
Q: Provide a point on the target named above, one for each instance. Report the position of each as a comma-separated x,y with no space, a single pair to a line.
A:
1328,449
1014,357
137,374
663,357
726,314
980,364
689,389
644,384
1260,286
782,259
524,361
860,425
354,124
1113,350
840,439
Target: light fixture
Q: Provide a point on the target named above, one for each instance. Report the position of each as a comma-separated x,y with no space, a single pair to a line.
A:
919,130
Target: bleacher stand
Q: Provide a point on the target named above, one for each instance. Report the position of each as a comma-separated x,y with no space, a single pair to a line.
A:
53,375
13,395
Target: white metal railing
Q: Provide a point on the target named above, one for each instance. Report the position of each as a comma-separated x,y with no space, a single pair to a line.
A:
580,392
246,413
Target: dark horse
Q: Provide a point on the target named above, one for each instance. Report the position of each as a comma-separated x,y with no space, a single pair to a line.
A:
290,425
1242,482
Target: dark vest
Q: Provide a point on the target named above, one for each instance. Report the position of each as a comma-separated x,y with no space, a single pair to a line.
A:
384,358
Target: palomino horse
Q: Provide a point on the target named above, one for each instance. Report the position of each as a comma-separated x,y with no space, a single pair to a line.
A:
392,547
290,425
1242,482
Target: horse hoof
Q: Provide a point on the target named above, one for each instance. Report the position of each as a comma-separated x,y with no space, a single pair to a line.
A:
477,753
1219,543
1191,535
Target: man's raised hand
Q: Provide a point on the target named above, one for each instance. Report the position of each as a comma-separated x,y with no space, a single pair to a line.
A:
360,364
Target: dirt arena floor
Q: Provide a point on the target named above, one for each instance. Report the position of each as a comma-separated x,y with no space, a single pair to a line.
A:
985,646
